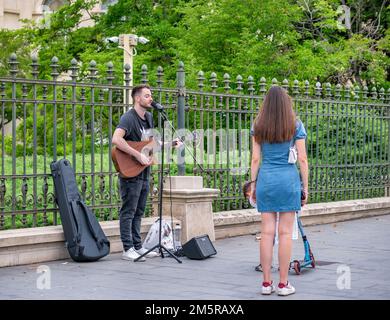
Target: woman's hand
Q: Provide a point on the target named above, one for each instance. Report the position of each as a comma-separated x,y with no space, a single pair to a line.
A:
304,197
253,192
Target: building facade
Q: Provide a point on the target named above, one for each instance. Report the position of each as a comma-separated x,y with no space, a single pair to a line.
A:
13,11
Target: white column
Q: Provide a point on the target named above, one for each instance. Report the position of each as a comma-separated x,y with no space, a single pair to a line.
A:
128,43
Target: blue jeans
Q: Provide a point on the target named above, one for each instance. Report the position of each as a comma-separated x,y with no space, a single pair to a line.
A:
134,192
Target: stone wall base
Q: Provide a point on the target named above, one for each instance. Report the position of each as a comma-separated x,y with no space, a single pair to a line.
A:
241,222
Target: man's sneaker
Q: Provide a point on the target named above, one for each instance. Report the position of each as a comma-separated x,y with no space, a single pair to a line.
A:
142,251
267,288
131,254
285,289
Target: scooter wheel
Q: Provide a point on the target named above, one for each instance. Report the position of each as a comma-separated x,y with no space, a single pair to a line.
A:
297,267
313,261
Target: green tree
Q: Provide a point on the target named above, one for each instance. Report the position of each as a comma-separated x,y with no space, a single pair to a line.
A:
238,37
344,43
303,39
156,20
293,39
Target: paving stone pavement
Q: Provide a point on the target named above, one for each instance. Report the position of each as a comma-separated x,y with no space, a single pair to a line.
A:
358,250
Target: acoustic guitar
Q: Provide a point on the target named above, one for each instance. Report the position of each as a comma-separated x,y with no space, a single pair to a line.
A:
128,166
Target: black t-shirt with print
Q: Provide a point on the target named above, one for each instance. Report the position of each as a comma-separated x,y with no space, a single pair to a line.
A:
136,129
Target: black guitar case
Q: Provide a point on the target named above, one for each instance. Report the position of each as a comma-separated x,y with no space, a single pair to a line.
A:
85,239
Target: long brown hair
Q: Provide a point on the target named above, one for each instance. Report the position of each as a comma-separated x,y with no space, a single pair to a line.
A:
275,121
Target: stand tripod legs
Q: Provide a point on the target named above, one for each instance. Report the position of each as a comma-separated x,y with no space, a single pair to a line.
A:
161,248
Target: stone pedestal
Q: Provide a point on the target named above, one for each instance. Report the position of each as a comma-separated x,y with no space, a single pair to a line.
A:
191,204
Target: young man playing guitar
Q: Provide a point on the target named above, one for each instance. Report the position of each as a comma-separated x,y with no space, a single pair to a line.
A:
135,125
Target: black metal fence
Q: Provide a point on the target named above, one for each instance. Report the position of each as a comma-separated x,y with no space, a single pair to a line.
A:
44,120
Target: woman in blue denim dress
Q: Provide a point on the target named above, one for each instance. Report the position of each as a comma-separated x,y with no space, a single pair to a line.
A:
278,185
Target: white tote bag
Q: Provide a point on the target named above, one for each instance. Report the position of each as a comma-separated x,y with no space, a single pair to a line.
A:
166,235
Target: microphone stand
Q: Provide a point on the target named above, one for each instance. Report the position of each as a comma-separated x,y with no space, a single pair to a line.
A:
160,246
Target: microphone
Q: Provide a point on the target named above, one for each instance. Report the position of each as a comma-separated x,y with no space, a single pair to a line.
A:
157,106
